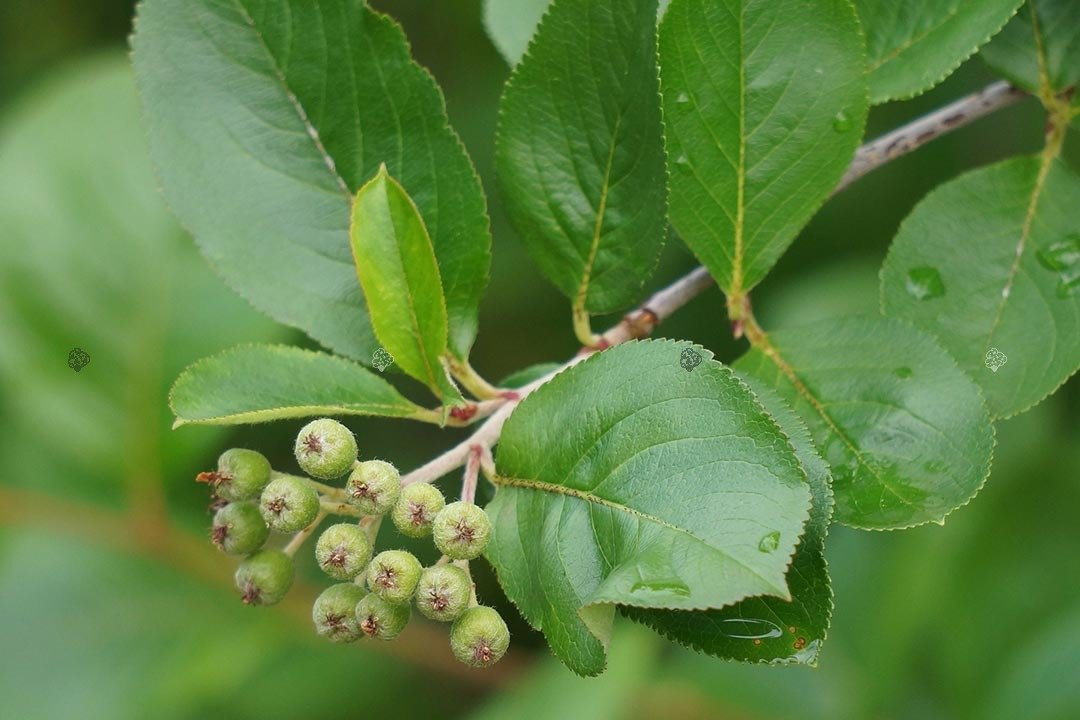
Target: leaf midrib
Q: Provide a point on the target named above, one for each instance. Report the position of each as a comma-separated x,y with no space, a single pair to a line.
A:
601,210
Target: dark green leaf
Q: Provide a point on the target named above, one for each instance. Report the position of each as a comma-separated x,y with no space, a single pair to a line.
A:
764,103
905,431
915,44
399,273
629,480
990,263
1050,28
265,117
259,383
581,151
765,628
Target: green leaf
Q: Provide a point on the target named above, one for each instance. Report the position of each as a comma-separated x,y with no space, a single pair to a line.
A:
765,628
1050,28
526,375
260,383
399,273
627,480
915,44
581,152
510,24
905,431
764,103
265,116
990,262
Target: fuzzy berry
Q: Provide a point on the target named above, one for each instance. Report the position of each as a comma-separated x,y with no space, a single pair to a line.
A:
443,592
380,619
325,449
374,487
462,530
289,504
416,508
239,529
241,474
343,551
334,612
265,577
479,637
393,575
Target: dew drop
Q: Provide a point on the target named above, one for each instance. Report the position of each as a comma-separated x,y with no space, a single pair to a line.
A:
769,542
682,99
683,162
924,283
749,628
661,586
1068,283
902,372
1060,255
841,122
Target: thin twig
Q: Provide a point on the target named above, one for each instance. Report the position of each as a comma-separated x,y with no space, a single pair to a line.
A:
472,474
662,304
300,537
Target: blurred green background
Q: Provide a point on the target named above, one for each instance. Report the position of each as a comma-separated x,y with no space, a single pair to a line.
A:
113,604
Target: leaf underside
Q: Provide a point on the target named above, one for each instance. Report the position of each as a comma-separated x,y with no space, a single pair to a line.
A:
628,480
580,151
265,116
764,105
260,383
990,263
905,432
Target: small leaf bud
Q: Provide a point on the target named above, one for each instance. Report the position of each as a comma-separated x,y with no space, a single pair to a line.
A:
374,487
325,449
265,577
393,575
416,508
239,528
289,504
479,638
334,612
443,592
462,530
343,551
380,619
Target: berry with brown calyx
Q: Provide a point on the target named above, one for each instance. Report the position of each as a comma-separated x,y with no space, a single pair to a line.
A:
325,449
393,575
343,551
443,592
289,504
462,530
479,638
265,577
241,474
239,529
334,612
374,487
416,508
380,619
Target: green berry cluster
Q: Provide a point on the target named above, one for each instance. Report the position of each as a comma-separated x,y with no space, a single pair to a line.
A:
374,593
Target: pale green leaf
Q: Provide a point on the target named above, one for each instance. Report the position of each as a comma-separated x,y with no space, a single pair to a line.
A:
260,383
510,24
990,263
265,116
399,273
628,480
766,628
581,152
764,104
1050,28
904,430
912,45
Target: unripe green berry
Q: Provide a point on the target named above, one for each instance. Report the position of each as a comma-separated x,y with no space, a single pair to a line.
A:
415,510
334,612
343,551
462,530
265,577
325,449
241,474
443,592
239,528
373,487
479,637
393,575
289,504
380,619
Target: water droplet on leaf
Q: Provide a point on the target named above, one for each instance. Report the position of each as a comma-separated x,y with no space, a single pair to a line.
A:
902,372
682,99
924,283
661,586
841,122
770,542
749,628
1060,255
